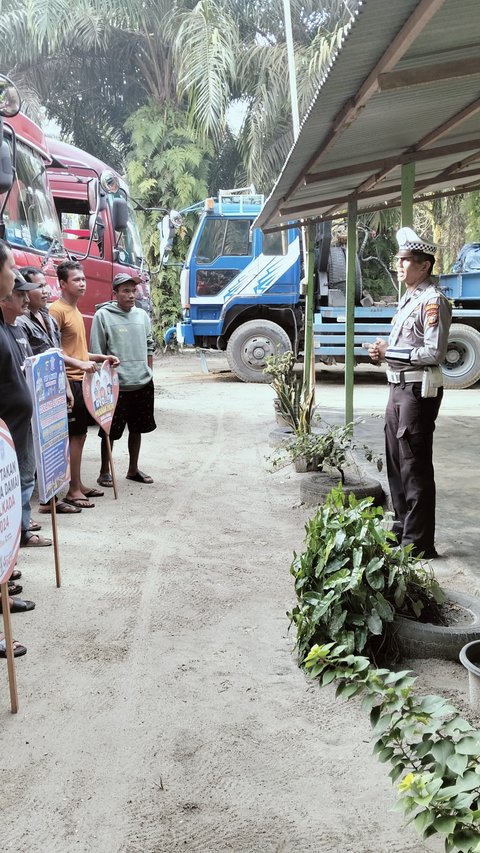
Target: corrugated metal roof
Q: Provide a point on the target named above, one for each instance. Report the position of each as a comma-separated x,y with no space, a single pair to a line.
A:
405,85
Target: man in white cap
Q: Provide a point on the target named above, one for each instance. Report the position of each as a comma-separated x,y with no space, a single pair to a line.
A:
415,350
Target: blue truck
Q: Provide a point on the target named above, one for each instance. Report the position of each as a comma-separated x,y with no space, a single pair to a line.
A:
242,292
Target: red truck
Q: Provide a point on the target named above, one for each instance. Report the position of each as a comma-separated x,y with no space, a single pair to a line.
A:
98,223
28,220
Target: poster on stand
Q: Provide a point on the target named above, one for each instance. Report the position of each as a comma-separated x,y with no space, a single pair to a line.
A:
100,393
10,504
46,379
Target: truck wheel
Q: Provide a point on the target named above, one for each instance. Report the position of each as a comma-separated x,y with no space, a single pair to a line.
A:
337,271
461,368
249,346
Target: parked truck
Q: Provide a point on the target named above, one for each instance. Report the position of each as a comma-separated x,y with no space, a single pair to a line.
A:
98,223
28,221
241,292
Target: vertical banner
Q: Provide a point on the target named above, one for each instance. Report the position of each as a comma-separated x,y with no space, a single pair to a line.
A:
10,504
46,379
100,392
10,524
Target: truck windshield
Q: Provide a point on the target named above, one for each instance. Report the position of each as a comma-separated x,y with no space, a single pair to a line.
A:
128,242
30,217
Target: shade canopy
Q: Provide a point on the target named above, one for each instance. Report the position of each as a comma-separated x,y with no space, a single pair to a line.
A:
404,86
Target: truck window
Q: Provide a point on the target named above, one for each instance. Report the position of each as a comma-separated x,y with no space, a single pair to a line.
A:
30,219
75,221
275,243
211,282
223,237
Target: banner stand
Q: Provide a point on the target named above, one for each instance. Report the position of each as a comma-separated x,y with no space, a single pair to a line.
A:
56,550
7,629
111,465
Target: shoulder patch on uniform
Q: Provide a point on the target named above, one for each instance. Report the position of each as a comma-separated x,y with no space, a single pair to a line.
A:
431,310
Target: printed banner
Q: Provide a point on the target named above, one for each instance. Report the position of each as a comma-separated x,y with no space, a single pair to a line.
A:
10,504
100,392
46,379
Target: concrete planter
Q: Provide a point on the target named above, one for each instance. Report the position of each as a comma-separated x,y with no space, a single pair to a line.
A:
470,658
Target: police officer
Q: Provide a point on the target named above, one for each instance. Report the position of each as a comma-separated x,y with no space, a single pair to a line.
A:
415,350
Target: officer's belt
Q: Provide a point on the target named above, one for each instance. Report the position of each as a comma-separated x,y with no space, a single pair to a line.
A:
398,377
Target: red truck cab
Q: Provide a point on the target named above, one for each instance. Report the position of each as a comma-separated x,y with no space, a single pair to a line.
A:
98,224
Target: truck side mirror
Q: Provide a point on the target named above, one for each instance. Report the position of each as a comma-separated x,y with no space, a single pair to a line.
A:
10,102
6,167
119,214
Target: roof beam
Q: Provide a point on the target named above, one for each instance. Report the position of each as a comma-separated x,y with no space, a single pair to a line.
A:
388,163
428,74
424,12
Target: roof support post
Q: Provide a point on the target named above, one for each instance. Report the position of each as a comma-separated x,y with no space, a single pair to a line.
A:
308,350
408,184
350,309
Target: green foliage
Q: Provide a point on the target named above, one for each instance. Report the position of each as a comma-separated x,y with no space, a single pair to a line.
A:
167,168
294,401
432,750
350,581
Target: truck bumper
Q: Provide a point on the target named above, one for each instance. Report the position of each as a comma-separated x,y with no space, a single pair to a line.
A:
168,334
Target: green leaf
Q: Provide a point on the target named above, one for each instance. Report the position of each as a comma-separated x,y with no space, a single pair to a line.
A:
422,820
457,763
375,623
396,772
442,750
468,746
445,824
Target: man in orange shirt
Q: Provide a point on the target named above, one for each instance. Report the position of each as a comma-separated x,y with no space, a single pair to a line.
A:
77,362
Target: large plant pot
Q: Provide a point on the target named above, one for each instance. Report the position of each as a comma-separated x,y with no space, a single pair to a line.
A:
302,465
425,640
470,658
315,488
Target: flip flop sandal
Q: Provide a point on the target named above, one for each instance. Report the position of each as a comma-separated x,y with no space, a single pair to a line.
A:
14,588
18,649
105,480
94,493
34,525
40,541
139,477
61,508
80,503
16,575
19,605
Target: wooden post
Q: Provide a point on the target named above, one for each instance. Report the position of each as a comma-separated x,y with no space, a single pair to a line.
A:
56,551
350,309
110,462
7,629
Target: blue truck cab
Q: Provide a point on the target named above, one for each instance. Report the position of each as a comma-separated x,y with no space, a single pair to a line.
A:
240,288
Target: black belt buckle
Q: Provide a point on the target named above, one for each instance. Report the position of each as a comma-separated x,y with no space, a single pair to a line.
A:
402,380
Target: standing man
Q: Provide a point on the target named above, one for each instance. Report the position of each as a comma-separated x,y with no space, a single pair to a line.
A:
121,329
77,361
415,350
13,307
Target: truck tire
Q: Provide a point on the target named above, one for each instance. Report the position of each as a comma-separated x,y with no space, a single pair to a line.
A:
337,272
461,368
250,344
424,640
323,239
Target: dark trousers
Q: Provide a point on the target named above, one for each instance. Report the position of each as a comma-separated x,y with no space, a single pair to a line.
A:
409,426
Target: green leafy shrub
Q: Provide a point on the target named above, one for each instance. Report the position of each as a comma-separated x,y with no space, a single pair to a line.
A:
350,580
433,751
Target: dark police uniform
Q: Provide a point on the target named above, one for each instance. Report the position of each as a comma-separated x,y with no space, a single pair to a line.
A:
417,343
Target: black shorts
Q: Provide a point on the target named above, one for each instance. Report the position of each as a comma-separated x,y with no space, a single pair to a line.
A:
135,410
79,419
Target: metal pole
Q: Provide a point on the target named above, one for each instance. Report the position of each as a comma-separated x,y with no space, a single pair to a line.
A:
309,237
291,68
350,309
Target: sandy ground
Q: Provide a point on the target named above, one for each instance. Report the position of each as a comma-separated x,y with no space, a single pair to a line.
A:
161,709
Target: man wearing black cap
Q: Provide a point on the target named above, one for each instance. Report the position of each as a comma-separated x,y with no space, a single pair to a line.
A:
120,328
415,350
13,307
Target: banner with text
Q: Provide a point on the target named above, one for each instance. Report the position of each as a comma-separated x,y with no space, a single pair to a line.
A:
10,504
100,392
47,382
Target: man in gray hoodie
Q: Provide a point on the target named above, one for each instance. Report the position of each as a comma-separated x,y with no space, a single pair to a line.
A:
120,328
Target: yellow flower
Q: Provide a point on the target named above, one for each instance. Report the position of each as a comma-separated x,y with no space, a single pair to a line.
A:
406,782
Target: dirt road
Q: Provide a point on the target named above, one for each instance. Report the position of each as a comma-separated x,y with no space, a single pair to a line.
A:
161,709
